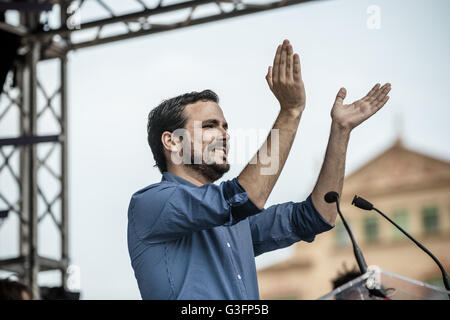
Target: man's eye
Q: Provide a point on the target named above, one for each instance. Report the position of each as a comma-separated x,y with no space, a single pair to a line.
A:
207,126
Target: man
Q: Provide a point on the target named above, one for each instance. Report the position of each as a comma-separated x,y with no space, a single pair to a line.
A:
189,238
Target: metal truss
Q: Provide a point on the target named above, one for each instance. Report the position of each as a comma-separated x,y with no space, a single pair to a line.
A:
26,157
148,17
41,41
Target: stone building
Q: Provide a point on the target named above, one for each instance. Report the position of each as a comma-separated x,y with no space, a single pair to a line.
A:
413,189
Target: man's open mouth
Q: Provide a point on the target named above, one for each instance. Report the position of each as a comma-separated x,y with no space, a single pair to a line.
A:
223,150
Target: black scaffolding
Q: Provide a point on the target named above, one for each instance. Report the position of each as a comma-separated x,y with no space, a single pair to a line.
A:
38,41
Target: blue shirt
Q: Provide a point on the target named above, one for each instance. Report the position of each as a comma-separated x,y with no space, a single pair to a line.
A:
191,242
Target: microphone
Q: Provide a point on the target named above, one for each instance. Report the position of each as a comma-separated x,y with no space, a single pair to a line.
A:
331,197
362,203
366,205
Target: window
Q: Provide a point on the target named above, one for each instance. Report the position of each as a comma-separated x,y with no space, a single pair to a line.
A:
400,217
371,229
342,237
430,219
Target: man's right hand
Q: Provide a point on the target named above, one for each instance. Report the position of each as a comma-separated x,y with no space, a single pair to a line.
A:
286,83
285,79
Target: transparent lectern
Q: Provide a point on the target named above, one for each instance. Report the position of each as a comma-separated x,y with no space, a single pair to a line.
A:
394,286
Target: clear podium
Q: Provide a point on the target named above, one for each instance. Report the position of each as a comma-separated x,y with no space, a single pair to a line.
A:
393,286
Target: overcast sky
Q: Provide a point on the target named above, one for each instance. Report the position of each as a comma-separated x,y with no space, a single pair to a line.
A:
113,87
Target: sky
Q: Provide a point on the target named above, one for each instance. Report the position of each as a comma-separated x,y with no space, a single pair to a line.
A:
113,87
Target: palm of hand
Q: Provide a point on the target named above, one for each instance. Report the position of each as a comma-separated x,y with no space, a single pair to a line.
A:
351,115
285,79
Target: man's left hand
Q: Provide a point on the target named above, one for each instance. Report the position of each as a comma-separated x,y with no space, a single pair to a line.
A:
348,116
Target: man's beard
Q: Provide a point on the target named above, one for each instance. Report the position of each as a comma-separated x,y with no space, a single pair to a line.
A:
212,172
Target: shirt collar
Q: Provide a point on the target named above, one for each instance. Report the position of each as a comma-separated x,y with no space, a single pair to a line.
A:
168,176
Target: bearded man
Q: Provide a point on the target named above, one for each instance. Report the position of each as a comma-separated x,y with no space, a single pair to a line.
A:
189,238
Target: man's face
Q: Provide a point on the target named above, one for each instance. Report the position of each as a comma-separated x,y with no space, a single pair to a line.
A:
209,141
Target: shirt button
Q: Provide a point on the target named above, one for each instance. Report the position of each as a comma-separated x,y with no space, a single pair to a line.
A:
239,276
228,244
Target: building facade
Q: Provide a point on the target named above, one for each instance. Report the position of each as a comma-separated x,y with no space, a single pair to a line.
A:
411,188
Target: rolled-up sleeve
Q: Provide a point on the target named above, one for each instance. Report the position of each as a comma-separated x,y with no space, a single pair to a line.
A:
283,224
182,209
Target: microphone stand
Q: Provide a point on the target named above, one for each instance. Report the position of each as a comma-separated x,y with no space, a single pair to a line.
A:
334,197
357,251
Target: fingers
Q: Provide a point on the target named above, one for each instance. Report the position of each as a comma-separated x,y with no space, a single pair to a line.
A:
276,63
382,97
371,94
297,69
283,62
384,90
286,65
289,62
269,78
340,96
379,105
377,94
382,102
289,92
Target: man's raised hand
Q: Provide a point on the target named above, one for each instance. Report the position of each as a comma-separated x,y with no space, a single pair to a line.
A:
285,79
348,116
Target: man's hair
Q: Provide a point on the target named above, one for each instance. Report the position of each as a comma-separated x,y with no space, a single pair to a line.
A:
169,116
341,279
345,276
12,290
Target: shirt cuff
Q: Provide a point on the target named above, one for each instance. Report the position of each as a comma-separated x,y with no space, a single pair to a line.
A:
237,198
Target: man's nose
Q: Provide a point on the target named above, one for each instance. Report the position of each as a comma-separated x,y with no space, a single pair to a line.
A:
224,133
224,140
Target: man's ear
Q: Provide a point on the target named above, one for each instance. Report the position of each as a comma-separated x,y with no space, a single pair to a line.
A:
170,142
